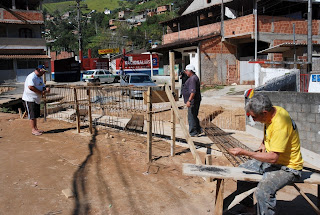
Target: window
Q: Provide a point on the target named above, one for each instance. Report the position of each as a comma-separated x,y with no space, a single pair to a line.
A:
140,79
6,64
25,33
101,73
27,64
3,31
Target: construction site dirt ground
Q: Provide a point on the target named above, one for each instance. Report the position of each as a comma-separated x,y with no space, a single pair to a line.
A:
107,175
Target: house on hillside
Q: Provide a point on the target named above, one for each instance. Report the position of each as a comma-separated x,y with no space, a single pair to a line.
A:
140,17
66,15
107,11
21,42
124,14
221,39
164,8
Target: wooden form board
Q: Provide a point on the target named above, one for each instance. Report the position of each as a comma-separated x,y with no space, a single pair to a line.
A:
159,96
238,173
183,126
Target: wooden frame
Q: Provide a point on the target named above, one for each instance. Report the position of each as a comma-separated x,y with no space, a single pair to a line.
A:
237,173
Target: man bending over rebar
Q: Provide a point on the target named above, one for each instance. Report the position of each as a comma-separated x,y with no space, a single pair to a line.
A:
278,159
34,89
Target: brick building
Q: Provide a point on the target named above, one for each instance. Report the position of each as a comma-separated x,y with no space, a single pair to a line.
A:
220,45
22,46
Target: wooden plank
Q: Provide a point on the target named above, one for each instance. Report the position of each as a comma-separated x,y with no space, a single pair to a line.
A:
159,96
183,127
149,125
241,197
89,111
307,199
238,173
173,116
218,208
77,109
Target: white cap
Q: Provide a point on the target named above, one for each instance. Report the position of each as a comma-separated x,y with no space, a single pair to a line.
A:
191,67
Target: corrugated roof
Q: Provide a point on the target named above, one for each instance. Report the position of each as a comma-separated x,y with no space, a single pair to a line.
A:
24,57
284,47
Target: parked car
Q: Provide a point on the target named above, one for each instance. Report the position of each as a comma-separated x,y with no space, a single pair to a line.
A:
98,75
136,80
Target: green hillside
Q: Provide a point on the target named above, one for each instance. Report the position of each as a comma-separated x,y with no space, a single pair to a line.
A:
60,6
98,5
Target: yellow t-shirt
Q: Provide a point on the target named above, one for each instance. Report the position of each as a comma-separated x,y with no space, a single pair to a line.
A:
282,136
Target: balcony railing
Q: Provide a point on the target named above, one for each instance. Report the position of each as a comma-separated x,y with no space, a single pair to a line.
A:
22,43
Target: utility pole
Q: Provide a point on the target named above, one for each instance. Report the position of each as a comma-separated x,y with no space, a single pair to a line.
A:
255,12
222,20
309,36
294,45
79,30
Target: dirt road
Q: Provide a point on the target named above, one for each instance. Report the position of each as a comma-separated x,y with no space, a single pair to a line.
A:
107,175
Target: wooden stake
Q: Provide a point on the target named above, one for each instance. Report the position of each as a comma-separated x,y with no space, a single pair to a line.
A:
183,126
173,116
44,100
89,111
149,125
218,208
45,108
77,108
209,162
318,195
20,113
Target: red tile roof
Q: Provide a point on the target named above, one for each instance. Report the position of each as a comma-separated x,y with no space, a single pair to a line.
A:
24,57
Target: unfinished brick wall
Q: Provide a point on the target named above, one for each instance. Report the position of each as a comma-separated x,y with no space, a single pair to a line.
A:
62,55
269,24
218,62
241,25
191,33
31,15
283,25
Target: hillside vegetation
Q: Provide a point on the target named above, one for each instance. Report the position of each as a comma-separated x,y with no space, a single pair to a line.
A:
97,5
96,32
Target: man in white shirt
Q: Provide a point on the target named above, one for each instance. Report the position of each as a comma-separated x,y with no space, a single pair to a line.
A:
34,89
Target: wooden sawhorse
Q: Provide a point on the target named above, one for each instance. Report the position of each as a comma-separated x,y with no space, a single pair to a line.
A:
241,174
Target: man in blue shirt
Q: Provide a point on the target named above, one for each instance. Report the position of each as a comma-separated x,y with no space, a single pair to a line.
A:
192,98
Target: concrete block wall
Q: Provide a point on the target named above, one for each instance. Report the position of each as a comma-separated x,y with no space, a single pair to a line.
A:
304,109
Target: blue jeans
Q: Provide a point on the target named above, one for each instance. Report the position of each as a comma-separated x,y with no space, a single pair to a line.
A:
274,178
194,124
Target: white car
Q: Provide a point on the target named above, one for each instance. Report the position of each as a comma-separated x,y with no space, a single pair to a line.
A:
136,80
98,75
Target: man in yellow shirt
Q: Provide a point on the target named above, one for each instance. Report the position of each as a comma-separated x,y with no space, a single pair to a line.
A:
278,159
